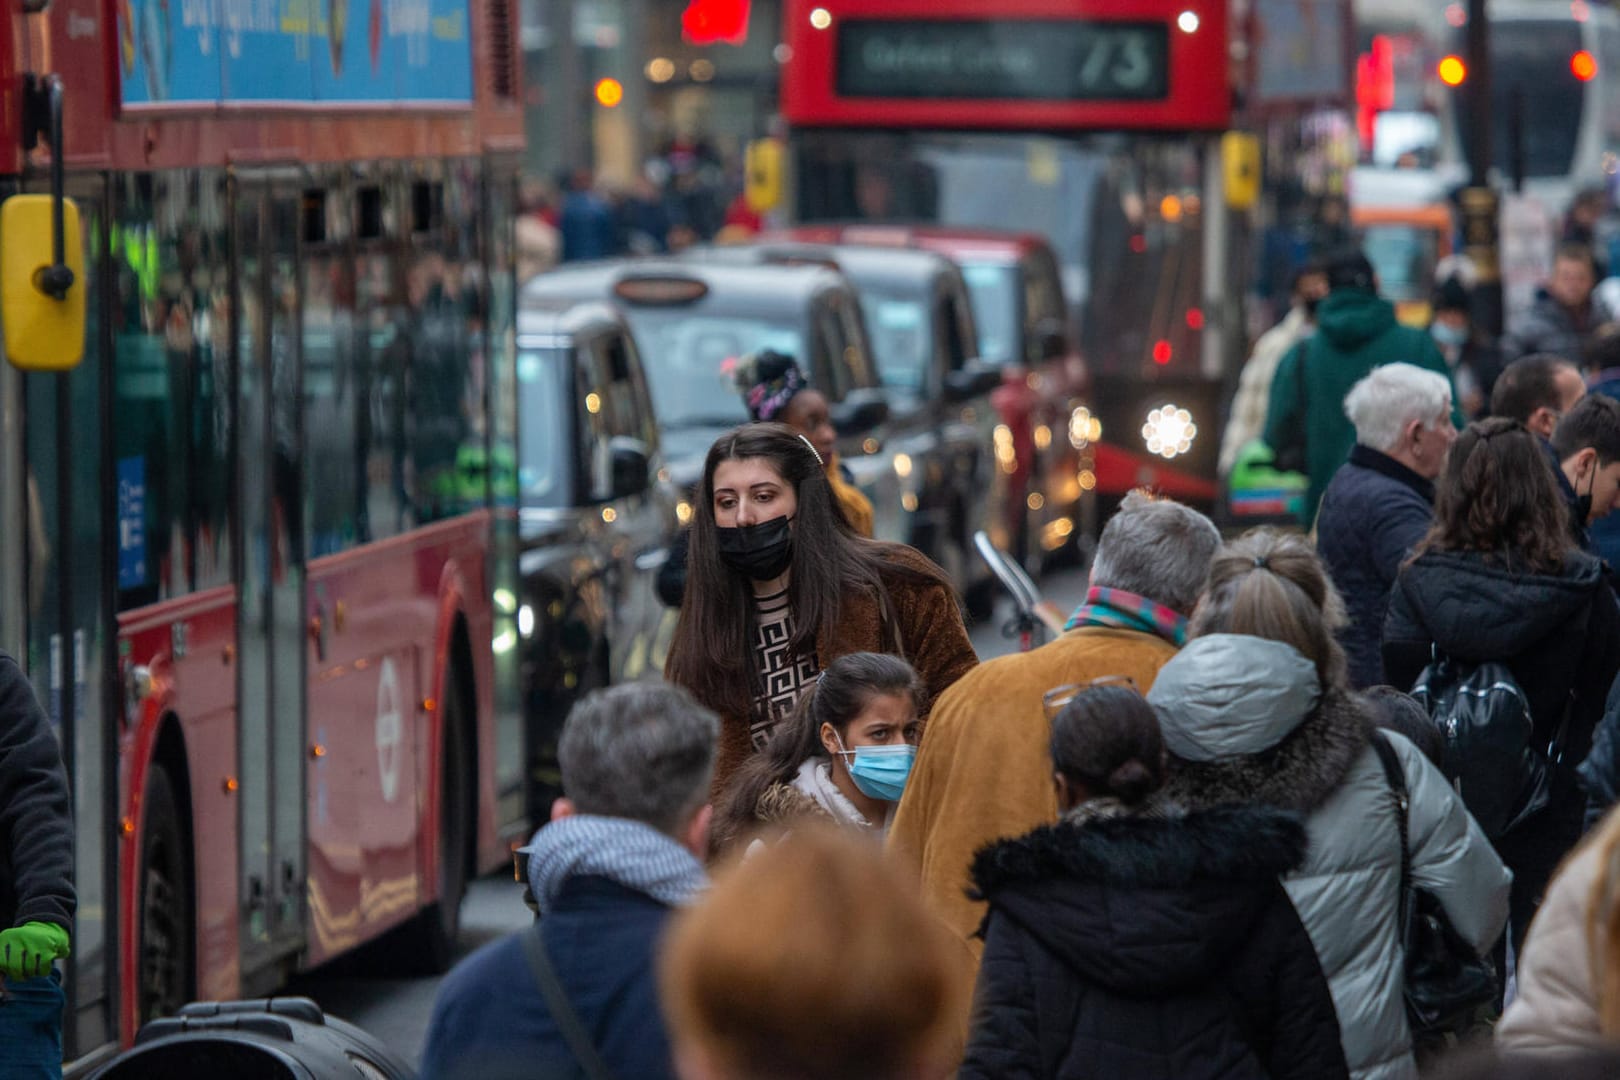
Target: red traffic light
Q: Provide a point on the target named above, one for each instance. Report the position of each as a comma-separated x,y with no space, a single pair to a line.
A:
709,22
1583,66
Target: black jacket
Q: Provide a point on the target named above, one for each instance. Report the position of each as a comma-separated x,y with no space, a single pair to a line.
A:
1150,949
1558,634
1373,514
36,815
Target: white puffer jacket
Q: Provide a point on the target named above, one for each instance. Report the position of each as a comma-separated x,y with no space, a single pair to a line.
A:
1245,721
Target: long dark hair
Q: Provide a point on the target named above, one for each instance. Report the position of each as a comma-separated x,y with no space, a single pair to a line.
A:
841,693
1498,497
1107,739
712,654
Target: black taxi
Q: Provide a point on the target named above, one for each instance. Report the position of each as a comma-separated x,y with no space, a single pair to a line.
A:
693,321
594,519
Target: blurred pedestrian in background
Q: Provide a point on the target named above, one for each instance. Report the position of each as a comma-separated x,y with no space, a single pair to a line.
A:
984,771
842,756
1356,331
1248,417
37,900
1498,579
1538,391
779,586
813,960
1569,976
1381,502
1473,362
587,224
1564,315
1132,940
1256,709
1586,446
577,993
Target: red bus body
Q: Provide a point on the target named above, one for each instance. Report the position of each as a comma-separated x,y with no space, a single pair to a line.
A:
388,628
1196,95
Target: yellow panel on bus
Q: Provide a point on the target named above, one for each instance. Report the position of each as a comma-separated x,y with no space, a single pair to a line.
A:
42,332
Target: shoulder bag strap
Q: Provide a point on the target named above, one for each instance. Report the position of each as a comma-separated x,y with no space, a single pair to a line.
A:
1396,777
562,1010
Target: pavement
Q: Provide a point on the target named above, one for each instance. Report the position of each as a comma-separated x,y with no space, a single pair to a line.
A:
396,1009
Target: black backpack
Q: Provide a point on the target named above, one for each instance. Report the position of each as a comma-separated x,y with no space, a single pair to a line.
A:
1490,755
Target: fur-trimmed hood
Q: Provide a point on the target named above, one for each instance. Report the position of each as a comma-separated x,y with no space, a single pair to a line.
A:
1148,905
1246,723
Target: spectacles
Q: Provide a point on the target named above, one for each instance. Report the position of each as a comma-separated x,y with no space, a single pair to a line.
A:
1054,700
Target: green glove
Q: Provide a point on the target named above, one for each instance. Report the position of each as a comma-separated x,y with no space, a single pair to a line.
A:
29,950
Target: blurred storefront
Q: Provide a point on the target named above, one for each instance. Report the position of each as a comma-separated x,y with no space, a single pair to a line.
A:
614,84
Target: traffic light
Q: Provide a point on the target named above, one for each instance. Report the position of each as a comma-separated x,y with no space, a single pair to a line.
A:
709,22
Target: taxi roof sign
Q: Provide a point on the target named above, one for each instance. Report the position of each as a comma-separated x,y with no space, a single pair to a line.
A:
660,290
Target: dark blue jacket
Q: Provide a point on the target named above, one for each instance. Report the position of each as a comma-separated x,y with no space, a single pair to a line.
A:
1605,531
1374,512
490,1021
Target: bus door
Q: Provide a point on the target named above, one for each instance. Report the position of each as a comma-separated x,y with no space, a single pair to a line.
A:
272,626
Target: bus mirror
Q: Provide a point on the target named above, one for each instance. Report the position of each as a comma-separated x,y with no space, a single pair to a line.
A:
42,332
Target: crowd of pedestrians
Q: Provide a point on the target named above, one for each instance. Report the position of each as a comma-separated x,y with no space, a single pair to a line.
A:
1285,805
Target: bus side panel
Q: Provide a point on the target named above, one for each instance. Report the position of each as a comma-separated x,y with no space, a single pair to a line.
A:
385,635
189,648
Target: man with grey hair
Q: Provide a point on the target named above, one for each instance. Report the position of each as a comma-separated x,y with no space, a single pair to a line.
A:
1380,502
984,770
577,994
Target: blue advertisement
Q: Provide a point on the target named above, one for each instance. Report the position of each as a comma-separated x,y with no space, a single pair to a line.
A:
131,522
289,52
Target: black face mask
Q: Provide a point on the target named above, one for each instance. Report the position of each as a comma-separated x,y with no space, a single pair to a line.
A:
1311,304
761,551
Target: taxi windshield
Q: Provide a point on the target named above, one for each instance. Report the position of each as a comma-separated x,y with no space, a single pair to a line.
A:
898,327
993,291
543,453
689,360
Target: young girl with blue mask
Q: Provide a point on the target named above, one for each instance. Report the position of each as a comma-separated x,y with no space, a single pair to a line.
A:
845,752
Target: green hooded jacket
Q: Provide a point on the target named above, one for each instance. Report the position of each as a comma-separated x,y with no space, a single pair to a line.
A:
1356,331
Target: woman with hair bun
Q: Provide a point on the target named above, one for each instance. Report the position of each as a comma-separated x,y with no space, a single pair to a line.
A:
1131,939
1257,710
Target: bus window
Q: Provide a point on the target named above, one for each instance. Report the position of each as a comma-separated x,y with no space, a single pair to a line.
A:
172,414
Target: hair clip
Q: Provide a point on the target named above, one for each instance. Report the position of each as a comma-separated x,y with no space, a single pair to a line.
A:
813,450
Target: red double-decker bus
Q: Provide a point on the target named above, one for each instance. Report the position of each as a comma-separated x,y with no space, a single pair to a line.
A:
248,560
1091,125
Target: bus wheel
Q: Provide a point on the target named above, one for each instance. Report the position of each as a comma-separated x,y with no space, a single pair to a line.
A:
165,961
438,926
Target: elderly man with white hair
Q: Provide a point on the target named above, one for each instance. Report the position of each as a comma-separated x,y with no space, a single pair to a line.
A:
1380,503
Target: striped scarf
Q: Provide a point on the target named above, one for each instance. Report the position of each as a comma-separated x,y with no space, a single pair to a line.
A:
1121,610
630,853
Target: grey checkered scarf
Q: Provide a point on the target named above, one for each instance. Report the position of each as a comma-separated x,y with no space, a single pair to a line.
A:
635,855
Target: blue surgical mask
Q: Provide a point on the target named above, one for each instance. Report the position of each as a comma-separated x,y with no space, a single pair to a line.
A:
1446,334
879,772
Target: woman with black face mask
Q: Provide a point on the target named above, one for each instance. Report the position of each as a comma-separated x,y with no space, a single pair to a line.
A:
779,586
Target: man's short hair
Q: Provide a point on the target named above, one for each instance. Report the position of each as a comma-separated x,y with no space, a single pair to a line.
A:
643,751
1158,549
1581,253
1594,422
1391,397
1528,384
1602,352
1349,268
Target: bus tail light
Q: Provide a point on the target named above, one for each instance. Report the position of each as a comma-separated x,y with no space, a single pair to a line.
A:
1583,66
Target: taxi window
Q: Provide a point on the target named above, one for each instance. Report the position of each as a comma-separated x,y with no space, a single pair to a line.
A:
689,359
1403,256
857,345
544,454
901,342
993,288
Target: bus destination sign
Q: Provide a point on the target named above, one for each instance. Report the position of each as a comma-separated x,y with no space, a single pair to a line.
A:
994,59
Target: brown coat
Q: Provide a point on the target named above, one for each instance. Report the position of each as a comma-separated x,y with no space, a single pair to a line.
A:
929,622
984,770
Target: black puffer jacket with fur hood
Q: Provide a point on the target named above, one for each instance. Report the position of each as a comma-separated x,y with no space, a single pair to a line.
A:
1150,948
